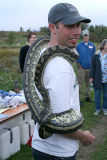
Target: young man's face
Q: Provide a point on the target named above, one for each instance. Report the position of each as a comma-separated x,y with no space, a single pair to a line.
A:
32,39
68,35
86,38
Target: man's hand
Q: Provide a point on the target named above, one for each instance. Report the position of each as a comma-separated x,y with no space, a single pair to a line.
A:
91,80
87,139
79,66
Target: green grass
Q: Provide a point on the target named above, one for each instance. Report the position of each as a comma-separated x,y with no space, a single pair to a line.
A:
8,79
24,154
19,37
101,151
88,110
10,71
9,68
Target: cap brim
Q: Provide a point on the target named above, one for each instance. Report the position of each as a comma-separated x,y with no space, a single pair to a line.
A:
73,20
85,35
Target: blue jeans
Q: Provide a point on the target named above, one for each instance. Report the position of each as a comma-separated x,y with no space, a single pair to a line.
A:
37,155
98,98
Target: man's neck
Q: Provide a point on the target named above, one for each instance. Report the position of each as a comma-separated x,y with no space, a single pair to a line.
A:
29,44
103,52
52,43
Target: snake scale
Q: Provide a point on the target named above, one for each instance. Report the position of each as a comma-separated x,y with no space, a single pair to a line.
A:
61,123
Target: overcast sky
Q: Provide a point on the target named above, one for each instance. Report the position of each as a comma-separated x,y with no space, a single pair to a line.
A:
33,14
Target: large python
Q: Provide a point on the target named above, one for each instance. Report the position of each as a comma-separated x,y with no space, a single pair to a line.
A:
64,122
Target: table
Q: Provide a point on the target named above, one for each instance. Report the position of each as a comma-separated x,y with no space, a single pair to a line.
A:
14,112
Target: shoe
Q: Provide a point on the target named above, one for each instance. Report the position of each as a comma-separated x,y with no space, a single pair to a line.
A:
96,113
105,113
87,99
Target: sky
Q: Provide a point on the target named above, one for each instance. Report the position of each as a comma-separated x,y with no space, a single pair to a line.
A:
33,14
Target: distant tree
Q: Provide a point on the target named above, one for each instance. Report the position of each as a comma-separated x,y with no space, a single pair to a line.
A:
45,30
21,29
2,34
92,35
98,33
28,30
10,39
91,29
84,26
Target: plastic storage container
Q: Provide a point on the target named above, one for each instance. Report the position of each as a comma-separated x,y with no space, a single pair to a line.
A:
25,117
9,141
26,131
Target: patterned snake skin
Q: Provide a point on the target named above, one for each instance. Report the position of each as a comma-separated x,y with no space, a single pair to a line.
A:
64,122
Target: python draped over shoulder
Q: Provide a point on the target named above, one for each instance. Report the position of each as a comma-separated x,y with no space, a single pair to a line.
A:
61,123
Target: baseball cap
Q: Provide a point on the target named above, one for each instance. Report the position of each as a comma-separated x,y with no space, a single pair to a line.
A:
65,13
85,32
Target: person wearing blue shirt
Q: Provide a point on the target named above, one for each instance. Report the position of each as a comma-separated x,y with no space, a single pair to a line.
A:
86,50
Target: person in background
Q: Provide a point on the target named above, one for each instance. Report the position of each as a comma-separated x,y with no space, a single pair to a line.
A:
86,50
98,76
59,79
31,37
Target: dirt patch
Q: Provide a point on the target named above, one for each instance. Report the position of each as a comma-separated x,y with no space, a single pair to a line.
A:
99,131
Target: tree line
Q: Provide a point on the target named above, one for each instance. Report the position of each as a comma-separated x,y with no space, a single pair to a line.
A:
97,33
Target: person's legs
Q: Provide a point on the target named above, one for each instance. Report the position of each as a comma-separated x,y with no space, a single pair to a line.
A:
43,156
97,100
81,78
104,108
87,88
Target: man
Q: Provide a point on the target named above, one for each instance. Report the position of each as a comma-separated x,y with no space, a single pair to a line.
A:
31,37
59,79
86,49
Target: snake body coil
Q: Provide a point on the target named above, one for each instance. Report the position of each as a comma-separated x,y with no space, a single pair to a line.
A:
64,122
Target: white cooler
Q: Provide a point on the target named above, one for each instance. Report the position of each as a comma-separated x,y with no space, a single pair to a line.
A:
9,141
25,117
20,119
26,131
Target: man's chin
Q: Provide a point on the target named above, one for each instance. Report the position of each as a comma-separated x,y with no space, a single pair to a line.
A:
72,46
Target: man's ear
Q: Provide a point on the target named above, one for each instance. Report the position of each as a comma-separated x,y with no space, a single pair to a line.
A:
52,28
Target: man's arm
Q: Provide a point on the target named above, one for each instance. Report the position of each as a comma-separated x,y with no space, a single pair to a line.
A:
79,66
78,61
85,137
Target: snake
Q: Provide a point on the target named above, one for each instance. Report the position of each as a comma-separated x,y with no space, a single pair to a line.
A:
61,123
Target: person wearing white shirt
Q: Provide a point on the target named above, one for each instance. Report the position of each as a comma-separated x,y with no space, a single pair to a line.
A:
61,82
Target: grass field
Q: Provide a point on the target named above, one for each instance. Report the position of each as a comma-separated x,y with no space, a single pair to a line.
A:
9,72
18,38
